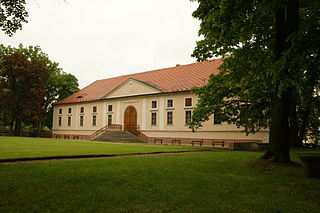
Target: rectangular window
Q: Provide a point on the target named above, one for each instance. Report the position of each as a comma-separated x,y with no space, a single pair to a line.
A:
94,109
69,110
94,120
188,116
154,104
81,109
153,118
109,119
81,120
109,108
69,120
188,102
169,103
60,121
169,118
60,111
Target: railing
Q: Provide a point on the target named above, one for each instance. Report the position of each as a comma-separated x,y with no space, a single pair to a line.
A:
106,128
135,130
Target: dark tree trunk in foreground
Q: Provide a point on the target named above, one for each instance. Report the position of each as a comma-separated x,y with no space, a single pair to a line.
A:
286,23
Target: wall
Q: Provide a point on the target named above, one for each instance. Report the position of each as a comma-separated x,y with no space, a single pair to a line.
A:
143,106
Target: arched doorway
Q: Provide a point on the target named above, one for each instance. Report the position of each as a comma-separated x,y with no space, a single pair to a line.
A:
130,119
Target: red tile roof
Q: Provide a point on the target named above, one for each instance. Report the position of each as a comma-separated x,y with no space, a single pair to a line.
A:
178,78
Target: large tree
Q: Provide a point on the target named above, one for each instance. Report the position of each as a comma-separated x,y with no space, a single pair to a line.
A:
12,15
270,54
22,90
58,86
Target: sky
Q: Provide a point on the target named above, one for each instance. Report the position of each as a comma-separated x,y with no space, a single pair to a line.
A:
108,38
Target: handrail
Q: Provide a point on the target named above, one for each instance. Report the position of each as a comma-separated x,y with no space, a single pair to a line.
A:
106,128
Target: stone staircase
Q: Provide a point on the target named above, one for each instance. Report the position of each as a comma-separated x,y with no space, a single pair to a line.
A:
117,136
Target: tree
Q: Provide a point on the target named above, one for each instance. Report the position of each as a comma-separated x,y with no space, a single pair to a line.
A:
270,52
58,86
12,15
22,90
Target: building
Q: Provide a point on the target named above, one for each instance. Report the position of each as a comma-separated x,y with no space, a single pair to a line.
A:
153,105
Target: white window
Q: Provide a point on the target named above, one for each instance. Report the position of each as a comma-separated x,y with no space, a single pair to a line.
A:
153,118
188,115
169,103
169,118
188,102
154,104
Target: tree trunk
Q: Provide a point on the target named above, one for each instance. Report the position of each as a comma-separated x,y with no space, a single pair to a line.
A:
287,22
17,127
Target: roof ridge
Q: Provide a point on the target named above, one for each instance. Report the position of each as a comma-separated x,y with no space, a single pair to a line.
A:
158,70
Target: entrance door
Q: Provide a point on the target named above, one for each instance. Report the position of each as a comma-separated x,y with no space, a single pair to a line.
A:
130,119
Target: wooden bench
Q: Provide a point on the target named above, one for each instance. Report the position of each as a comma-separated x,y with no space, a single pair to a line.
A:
216,142
200,142
158,140
176,141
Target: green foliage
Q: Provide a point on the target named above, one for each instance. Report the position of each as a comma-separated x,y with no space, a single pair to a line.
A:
12,15
59,84
254,74
22,84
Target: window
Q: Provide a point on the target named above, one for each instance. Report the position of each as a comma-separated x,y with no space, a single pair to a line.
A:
188,116
188,102
153,118
81,120
69,110
94,109
169,103
169,118
60,121
69,120
81,109
94,120
60,111
154,104
109,108
109,119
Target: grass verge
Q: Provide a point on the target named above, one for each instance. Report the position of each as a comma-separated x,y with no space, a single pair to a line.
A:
205,182
46,148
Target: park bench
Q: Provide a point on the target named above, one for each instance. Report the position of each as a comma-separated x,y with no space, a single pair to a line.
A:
157,140
218,142
200,142
176,141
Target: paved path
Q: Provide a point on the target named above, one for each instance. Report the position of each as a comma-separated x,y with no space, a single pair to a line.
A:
91,157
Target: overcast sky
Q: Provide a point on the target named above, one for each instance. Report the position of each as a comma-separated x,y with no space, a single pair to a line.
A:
100,39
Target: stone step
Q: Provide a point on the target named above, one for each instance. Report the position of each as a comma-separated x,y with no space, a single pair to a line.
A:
117,136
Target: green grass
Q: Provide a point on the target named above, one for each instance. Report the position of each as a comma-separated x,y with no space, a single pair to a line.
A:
21,147
204,182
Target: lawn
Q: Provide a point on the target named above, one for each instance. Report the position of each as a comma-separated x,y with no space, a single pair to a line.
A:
20,147
203,182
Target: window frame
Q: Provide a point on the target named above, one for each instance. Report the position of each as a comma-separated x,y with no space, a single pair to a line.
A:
94,120
69,121
171,118
172,103
154,118
109,118
156,104
81,120
94,109
185,102
187,117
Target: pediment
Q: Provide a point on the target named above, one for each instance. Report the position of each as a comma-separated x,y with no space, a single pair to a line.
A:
133,87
